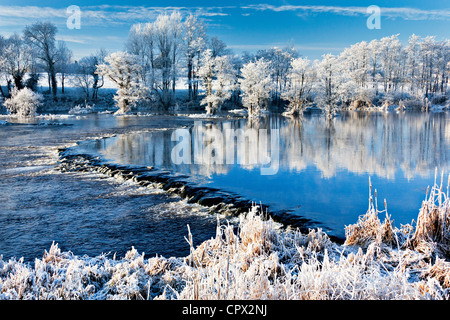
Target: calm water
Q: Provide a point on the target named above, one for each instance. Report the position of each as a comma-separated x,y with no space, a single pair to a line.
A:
311,168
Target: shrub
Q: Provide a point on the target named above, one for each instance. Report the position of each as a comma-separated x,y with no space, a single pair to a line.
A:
23,103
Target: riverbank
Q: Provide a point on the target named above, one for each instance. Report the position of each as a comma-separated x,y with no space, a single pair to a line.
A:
255,261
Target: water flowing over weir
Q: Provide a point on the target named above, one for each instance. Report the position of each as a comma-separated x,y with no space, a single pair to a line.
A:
87,213
219,201
322,174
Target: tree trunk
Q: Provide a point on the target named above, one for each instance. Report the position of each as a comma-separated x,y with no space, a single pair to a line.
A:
62,83
189,67
18,82
8,85
54,83
174,69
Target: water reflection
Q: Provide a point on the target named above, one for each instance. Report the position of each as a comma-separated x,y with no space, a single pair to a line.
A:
323,166
376,144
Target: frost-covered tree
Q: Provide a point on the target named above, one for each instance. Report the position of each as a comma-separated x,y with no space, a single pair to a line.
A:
256,85
161,46
226,80
176,29
219,80
300,82
356,63
164,43
354,76
23,102
167,32
195,39
391,71
435,64
412,51
123,69
327,76
280,62
16,60
141,43
206,73
442,66
389,60
374,62
2,63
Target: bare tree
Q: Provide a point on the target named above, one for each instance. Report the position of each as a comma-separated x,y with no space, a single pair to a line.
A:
82,77
86,76
97,59
218,47
41,36
63,62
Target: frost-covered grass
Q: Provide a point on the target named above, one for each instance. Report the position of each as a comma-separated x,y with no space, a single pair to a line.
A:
258,260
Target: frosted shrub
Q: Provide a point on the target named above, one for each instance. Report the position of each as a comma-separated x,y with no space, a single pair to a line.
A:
80,109
363,99
23,103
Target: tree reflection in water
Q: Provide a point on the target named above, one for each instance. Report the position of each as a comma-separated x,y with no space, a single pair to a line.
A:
324,165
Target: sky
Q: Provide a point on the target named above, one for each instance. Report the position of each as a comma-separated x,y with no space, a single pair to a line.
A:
312,27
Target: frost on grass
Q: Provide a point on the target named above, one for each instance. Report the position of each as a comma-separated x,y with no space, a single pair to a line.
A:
256,259
62,275
369,229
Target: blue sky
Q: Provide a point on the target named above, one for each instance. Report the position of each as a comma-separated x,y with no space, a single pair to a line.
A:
313,27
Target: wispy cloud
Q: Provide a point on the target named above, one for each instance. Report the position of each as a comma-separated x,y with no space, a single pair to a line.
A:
97,15
389,12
